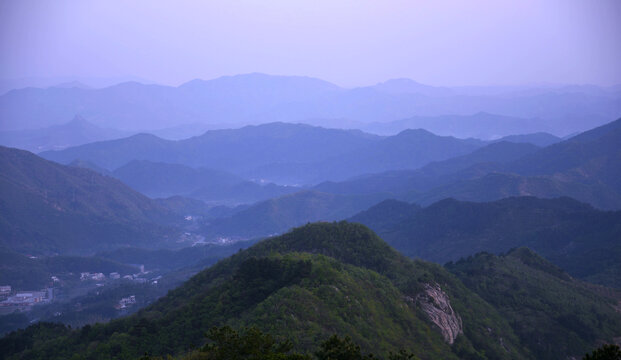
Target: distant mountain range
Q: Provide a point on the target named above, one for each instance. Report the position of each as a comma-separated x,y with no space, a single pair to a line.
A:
480,125
278,152
433,174
329,278
278,215
409,149
231,150
579,239
586,167
540,139
260,98
76,132
164,180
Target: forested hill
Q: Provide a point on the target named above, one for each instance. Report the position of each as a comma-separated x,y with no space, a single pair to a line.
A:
580,239
46,207
328,278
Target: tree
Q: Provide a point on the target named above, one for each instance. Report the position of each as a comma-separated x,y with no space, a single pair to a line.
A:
336,348
606,352
227,344
402,355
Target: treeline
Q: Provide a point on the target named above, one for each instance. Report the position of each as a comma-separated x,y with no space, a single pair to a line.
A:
224,343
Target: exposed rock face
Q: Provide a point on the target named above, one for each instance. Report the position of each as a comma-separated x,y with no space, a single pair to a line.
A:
435,303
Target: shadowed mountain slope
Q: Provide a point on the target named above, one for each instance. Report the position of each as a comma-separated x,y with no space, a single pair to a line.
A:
573,235
47,207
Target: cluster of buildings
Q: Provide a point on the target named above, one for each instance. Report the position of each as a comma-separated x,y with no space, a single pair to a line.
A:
137,278
125,302
92,276
23,300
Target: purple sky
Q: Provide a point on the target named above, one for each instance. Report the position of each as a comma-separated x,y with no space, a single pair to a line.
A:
350,43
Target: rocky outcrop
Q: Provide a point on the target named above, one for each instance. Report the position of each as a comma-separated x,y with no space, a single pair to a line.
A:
436,304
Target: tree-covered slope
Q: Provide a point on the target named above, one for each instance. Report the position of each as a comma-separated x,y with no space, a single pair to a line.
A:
24,273
328,278
48,207
550,312
317,280
578,238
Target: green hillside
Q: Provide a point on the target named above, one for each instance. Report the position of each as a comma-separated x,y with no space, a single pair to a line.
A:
550,312
580,239
328,278
51,208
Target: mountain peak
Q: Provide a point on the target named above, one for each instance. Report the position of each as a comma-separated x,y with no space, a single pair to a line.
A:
351,243
258,82
400,81
405,85
78,120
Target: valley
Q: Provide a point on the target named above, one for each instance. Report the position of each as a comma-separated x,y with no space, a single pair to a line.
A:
310,180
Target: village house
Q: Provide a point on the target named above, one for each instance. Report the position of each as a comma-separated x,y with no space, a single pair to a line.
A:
126,302
92,276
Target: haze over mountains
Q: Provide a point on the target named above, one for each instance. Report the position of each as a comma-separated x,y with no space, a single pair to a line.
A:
179,206
585,167
51,208
278,152
259,98
381,206
76,132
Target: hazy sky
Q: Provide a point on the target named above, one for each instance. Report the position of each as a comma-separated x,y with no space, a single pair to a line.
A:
350,43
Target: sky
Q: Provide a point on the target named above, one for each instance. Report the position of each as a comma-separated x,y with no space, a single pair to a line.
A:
350,43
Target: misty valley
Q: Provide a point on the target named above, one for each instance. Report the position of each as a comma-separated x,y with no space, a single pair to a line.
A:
116,244
310,180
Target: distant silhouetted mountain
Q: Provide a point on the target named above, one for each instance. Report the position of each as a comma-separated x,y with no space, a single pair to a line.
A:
480,125
540,139
586,167
409,149
230,150
433,174
495,186
592,154
89,165
408,86
260,98
47,207
279,152
76,132
163,180
278,215
573,235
